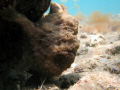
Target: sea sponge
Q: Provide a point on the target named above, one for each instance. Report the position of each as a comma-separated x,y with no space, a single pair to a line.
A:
33,10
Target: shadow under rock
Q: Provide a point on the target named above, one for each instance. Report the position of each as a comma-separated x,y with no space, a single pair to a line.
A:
65,81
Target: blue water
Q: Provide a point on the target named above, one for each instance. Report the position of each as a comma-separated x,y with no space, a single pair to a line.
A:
86,7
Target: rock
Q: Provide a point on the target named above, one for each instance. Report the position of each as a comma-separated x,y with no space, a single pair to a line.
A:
83,35
46,48
116,50
33,10
6,3
9,79
56,8
58,43
118,64
82,51
1,85
97,40
119,37
98,80
68,80
65,81
34,81
14,41
113,51
103,56
108,57
23,78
